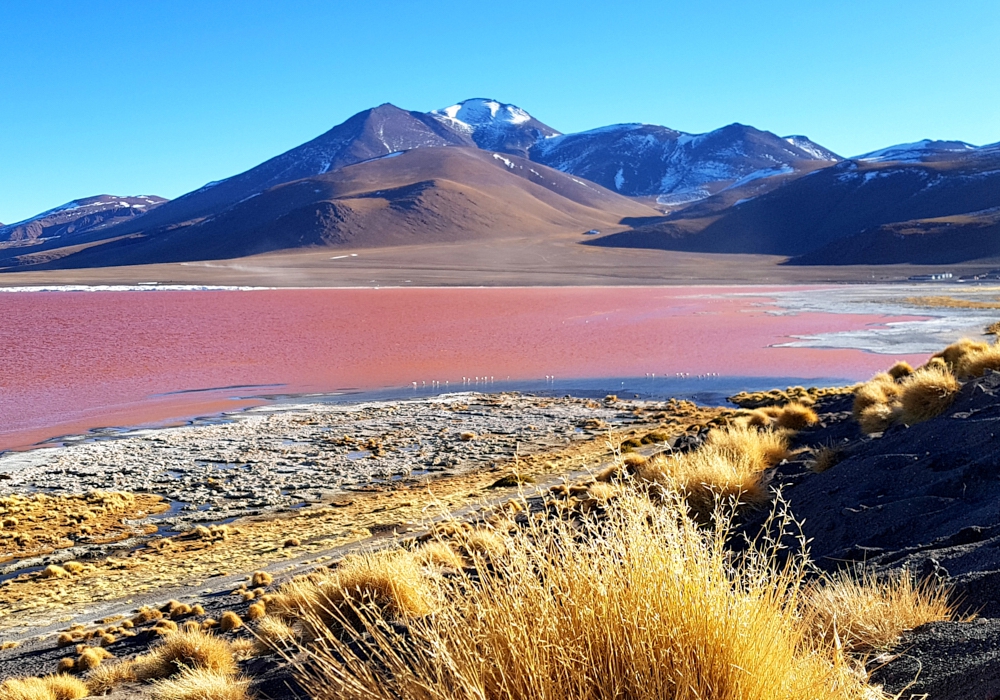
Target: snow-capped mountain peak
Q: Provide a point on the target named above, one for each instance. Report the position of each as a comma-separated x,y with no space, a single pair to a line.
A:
479,112
494,125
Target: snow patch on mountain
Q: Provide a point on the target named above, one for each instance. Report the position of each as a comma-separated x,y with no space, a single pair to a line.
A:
916,152
812,148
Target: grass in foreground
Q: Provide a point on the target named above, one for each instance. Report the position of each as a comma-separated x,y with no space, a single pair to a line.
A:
642,604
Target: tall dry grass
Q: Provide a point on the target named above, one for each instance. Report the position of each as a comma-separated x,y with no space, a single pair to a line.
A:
869,614
730,466
644,603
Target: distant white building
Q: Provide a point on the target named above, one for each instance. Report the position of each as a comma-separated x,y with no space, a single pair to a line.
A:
936,277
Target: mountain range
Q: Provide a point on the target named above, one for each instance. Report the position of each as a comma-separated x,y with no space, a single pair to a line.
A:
482,169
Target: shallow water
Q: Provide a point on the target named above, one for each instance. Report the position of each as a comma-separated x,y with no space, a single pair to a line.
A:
73,361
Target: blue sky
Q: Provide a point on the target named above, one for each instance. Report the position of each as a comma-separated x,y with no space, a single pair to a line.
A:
159,98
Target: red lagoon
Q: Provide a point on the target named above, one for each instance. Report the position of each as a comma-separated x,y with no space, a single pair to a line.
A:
78,360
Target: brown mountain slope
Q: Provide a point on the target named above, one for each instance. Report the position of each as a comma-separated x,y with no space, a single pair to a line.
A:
433,195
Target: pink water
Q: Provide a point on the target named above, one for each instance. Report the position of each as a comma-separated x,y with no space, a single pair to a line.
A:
77,360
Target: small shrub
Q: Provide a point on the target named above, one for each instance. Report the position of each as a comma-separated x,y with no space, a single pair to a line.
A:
194,650
57,687
230,621
109,676
261,578
927,394
878,417
825,457
54,571
386,585
274,633
976,364
795,416
438,554
900,370
955,354
201,684
880,390
256,611
91,657
63,687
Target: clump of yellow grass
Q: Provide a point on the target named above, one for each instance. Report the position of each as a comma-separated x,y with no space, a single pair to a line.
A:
643,604
868,614
955,354
188,649
391,583
201,684
976,364
55,687
730,465
911,397
927,394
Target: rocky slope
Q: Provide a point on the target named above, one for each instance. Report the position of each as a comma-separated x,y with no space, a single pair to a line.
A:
675,167
76,217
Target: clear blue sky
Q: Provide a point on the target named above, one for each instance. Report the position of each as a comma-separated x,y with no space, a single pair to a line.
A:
160,97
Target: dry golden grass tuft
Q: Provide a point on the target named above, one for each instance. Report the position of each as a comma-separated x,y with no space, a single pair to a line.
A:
977,364
825,457
725,627
91,657
201,684
261,578
927,394
256,611
109,676
439,555
56,687
388,585
230,621
955,354
796,416
54,571
880,390
868,614
763,448
993,328
65,687
274,633
604,492
196,650
900,370
878,418
729,465
483,545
